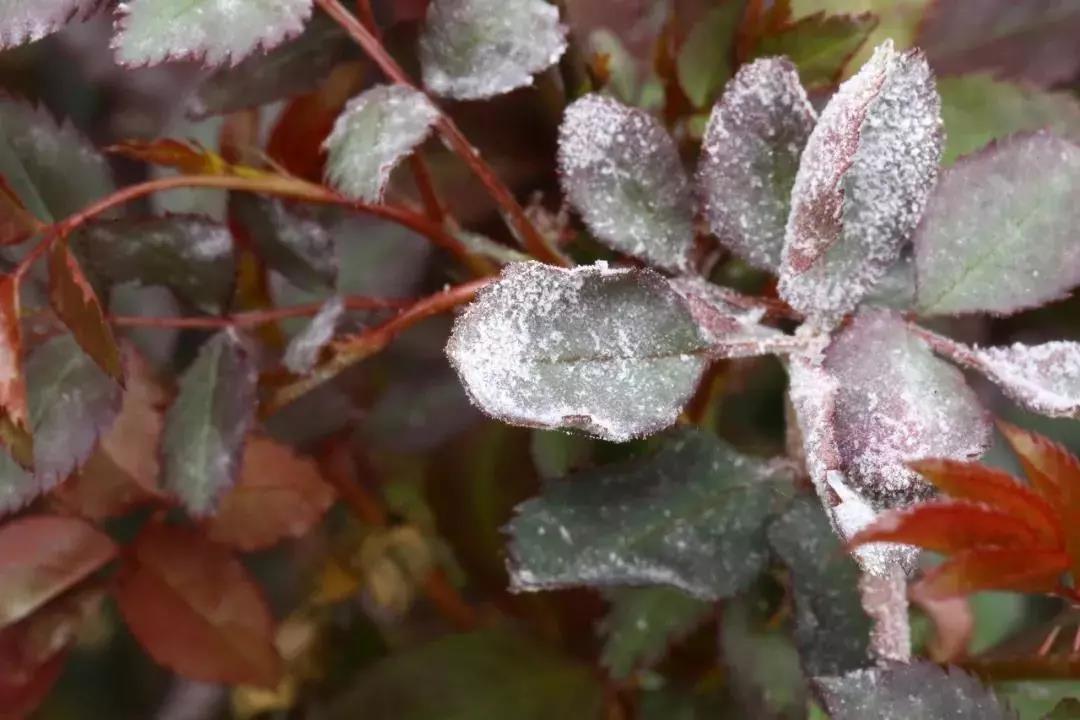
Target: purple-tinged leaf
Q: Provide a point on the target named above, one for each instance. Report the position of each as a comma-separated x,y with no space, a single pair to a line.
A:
303,350
23,21
214,31
750,155
613,352
206,426
999,234
298,241
862,183
621,170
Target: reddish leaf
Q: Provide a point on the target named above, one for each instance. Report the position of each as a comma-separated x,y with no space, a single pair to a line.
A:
982,484
954,624
184,156
948,527
1023,570
279,495
14,423
78,306
194,608
42,556
16,222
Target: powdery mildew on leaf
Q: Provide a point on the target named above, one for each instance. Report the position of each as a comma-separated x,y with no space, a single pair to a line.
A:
299,242
303,350
23,21
1043,378
475,49
862,184
999,233
621,170
750,155
613,352
377,129
214,31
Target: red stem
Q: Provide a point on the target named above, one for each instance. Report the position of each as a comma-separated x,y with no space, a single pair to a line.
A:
254,317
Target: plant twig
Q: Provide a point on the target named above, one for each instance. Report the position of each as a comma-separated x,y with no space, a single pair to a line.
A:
254,317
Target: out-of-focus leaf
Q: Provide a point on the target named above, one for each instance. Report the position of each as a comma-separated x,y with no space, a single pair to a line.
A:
185,156
704,61
644,622
279,495
692,516
16,222
17,485
998,232
1066,709
205,427
296,241
190,255
750,155
556,453
832,630
620,66
1024,569
1033,40
42,556
979,108
613,352
897,402
420,410
819,45
621,170
195,609
303,351
214,31
14,415
23,21
863,181
918,690
949,526
295,67
488,674
475,49
378,129
78,306
898,21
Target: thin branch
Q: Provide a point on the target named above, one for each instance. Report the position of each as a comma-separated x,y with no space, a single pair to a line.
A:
530,237
254,317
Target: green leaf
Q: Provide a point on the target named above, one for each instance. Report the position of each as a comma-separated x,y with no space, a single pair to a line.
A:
23,21
820,45
488,674
978,108
898,20
749,158
303,350
556,453
919,691
377,129
643,623
189,254
298,241
832,630
613,352
206,425
53,170
214,31
621,170
72,404
692,516
475,49
999,232
704,61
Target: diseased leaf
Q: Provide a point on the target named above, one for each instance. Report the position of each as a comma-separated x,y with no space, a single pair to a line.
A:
205,427
23,21
298,242
832,630
475,49
692,516
704,61
78,306
378,128
613,352
919,690
279,495
949,526
14,415
862,184
191,255
194,608
1025,569
43,556
897,402
214,31
1043,378
1034,40
979,108
643,622
750,155
621,170
819,45
998,234
303,350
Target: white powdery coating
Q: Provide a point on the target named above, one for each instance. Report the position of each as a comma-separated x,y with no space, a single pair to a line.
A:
215,31
613,352
999,233
862,184
376,130
475,49
622,172
1043,378
304,349
750,155
23,21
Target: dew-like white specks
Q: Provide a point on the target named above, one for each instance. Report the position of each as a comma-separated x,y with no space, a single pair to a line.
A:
376,130
621,170
1043,378
475,49
23,21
